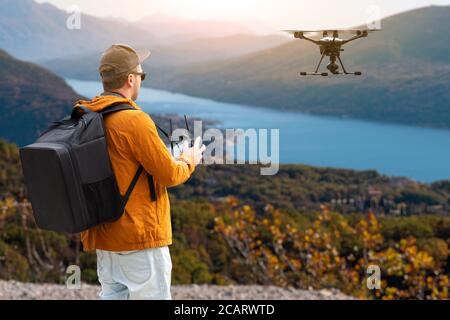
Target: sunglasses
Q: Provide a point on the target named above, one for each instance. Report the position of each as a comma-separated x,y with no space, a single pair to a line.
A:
142,74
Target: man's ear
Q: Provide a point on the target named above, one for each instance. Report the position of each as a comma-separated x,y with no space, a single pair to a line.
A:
130,80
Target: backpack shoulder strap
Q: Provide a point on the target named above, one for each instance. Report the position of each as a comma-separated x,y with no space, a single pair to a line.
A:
140,170
120,107
116,108
131,187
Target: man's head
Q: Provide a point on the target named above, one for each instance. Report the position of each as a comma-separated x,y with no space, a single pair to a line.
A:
121,70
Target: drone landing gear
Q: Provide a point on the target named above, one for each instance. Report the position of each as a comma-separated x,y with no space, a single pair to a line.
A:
356,73
316,73
333,67
323,74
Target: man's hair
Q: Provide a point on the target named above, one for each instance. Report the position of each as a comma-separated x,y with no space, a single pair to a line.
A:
117,82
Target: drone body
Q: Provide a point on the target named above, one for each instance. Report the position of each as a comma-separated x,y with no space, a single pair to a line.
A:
330,46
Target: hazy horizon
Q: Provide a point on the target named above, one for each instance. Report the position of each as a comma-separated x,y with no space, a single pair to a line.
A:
276,15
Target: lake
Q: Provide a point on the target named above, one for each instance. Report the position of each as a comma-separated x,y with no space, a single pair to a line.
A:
396,150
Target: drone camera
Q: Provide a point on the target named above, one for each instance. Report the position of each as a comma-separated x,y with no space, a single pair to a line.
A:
333,67
324,74
303,73
358,73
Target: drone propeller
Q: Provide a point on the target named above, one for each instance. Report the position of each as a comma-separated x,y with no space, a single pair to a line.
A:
332,31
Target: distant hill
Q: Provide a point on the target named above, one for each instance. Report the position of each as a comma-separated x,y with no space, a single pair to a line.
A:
33,31
405,67
213,48
199,50
30,98
37,31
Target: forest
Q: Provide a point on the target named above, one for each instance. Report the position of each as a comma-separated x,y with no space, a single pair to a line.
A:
306,227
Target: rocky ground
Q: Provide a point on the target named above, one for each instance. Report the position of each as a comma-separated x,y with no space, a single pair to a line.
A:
18,290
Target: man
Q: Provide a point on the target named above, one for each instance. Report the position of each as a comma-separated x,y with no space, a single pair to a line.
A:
133,258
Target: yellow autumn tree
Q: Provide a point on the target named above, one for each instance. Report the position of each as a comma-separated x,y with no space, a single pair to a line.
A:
277,253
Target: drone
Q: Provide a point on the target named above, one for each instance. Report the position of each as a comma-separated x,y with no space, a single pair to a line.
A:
331,46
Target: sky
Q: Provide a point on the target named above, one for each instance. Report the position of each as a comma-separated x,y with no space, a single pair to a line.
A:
278,14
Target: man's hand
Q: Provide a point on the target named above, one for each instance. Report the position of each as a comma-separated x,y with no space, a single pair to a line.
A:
196,152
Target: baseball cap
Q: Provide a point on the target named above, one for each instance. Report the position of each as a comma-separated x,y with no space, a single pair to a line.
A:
119,59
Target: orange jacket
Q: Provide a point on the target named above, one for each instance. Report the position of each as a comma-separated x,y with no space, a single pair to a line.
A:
133,140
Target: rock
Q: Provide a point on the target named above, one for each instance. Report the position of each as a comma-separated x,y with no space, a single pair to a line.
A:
33,291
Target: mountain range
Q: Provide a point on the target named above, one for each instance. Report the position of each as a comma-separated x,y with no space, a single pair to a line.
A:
31,96
38,31
406,72
33,31
198,50
405,68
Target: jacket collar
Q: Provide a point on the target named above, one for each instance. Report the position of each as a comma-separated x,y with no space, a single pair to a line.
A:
109,93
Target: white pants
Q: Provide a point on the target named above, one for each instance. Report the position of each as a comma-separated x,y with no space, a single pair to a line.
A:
139,274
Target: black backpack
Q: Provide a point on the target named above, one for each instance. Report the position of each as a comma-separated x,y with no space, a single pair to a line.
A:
68,174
